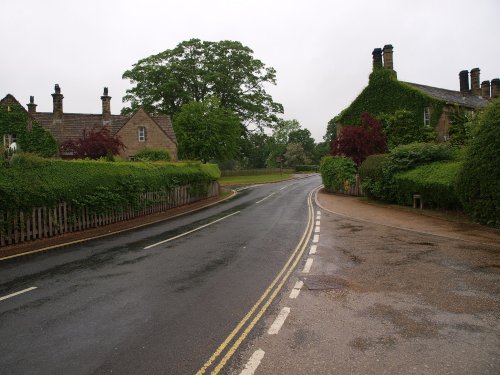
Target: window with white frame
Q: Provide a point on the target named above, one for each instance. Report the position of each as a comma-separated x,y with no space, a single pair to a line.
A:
427,116
141,134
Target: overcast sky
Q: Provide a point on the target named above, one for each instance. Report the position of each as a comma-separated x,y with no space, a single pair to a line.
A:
320,49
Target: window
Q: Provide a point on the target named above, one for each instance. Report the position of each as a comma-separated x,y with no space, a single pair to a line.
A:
141,133
427,116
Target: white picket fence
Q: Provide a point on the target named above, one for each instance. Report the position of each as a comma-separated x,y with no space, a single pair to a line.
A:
44,222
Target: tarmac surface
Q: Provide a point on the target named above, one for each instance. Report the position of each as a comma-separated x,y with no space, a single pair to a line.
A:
386,290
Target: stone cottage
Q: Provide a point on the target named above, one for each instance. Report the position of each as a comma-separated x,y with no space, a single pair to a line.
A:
137,132
431,105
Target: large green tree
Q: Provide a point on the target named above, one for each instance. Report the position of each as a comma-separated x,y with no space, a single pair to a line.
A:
195,70
207,131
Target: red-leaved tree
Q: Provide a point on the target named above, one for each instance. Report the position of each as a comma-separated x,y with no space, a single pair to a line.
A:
359,142
93,144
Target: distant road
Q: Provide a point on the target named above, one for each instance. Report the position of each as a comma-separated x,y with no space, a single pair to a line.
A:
159,300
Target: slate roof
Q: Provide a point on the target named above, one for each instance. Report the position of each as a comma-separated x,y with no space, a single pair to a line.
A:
453,97
75,123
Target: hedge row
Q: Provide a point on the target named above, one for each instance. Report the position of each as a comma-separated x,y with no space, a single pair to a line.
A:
34,182
434,182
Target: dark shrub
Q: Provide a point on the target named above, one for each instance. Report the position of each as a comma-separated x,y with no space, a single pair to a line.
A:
372,177
478,182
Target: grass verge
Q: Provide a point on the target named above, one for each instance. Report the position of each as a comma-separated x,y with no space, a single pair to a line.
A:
249,180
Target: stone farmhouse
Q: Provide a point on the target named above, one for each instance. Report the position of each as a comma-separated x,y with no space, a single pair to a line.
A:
434,104
137,132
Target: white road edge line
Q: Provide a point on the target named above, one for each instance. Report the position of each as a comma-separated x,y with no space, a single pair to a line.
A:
17,293
308,265
316,238
191,231
284,187
313,249
263,199
253,362
296,289
278,322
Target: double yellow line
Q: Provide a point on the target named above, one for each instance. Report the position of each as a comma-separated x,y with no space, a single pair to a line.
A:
264,301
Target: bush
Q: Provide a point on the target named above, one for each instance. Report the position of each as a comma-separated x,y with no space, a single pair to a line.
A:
306,168
337,173
33,182
380,183
358,142
153,154
434,182
372,177
478,182
95,143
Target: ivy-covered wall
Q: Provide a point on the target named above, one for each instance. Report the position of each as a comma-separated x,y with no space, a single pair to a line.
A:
14,120
385,94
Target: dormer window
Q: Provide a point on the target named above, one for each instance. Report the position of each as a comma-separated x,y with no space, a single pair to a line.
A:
427,116
141,134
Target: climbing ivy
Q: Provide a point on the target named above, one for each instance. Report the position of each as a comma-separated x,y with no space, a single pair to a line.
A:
385,94
14,120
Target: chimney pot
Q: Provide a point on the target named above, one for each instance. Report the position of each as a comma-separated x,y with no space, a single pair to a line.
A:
57,99
377,58
106,107
495,88
474,81
31,105
388,57
485,89
464,80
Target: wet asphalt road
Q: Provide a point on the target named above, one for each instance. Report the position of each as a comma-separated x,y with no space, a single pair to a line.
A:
110,306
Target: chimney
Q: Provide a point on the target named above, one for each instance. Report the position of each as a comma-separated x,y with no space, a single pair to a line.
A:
57,98
31,110
474,82
485,89
388,64
464,81
31,105
495,88
377,58
106,107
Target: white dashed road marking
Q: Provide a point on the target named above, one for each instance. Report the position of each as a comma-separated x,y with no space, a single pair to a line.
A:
280,319
296,289
263,199
253,362
316,238
308,265
317,223
191,231
316,230
17,293
313,250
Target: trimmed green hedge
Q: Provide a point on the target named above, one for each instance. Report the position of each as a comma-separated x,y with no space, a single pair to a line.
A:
478,183
377,174
153,154
337,173
435,183
34,182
